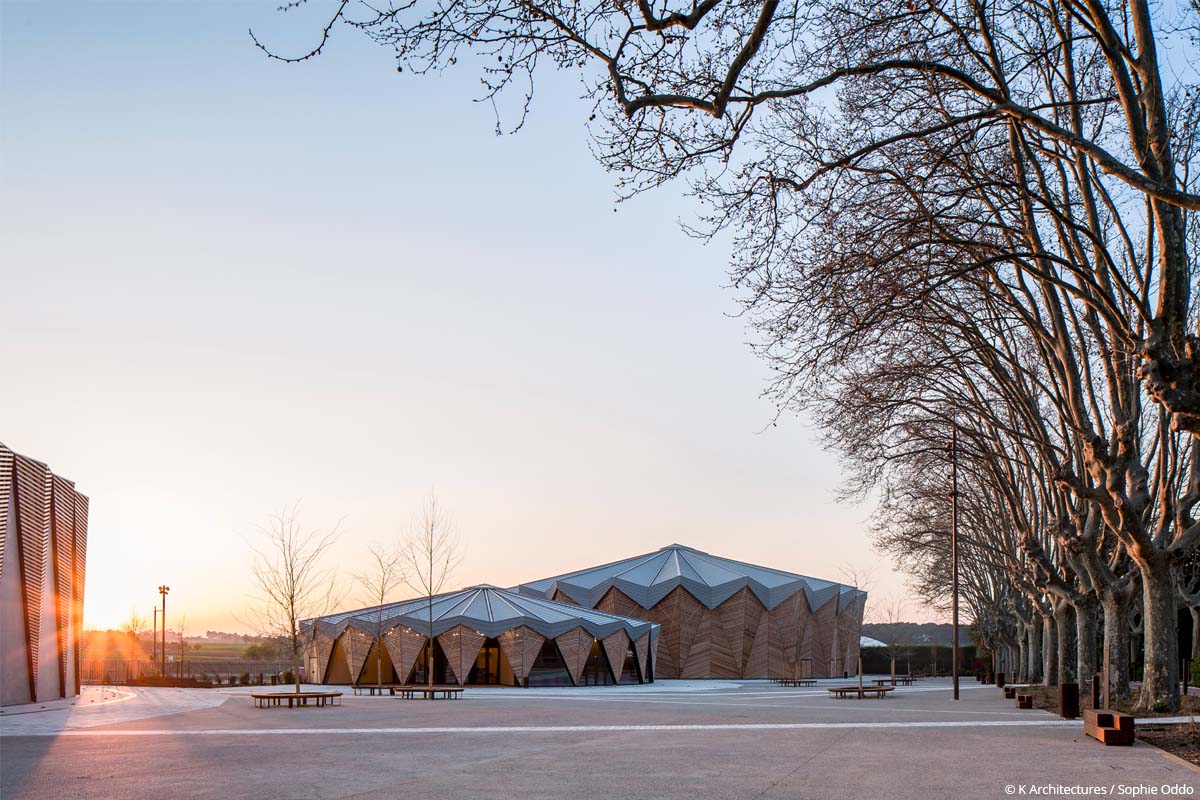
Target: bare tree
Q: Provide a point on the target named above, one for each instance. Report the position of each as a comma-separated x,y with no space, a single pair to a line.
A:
133,627
384,575
896,636
428,558
182,639
936,206
861,579
292,582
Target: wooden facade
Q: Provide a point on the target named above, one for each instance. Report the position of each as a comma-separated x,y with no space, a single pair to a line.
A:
520,647
43,546
480,639
461,645
740,639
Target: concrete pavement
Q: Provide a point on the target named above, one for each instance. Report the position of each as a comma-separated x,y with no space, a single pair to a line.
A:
668,740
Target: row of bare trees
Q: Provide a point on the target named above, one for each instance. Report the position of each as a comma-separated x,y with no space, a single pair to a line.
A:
971,216
296,585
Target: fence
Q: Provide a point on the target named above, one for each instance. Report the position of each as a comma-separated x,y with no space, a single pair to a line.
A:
118,671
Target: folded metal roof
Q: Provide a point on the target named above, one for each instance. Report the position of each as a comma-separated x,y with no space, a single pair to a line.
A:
648,578
487,609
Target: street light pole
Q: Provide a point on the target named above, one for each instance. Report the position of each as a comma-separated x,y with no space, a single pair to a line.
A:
154,639
954,555
163,591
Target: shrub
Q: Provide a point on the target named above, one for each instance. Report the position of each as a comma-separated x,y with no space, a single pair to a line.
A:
288,677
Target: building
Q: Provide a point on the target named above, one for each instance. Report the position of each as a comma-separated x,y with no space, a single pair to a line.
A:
722,618
481,635
42,557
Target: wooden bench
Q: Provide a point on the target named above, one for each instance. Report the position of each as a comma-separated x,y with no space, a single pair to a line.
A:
387,688
429,692
1109,727
899,680
293,699
1024,701
860,691
796,681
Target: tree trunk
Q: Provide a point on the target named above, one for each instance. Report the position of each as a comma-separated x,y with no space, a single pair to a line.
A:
1033,672
1116,644
1160,682
1195,612
296,650
1085,645
1049,650
1022,657
1064,619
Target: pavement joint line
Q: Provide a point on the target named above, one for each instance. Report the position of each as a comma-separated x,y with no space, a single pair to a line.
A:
845,705
511,729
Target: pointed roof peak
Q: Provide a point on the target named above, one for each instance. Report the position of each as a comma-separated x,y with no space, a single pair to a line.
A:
648,578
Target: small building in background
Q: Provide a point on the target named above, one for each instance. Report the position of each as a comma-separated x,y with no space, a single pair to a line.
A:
43,553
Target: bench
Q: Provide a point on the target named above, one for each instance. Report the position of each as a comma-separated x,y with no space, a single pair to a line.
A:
429,692
899,680
293,699
387,688
1109,727
860,691
1024,701
796,681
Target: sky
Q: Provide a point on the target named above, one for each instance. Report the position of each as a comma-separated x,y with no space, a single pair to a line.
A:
230,285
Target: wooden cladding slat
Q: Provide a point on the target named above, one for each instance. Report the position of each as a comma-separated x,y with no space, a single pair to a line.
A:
641,647
33,534
6,497
575,645
520,647
461,646
63,546
322,649
617,602
559,597
824,621
79,556
357,645
616,645
403,645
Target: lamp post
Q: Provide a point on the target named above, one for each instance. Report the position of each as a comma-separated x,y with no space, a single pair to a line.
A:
954,556
154,639
163,591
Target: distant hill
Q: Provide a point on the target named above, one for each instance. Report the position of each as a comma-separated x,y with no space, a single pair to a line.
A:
914,632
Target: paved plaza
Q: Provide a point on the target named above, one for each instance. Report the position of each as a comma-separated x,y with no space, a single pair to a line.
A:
672,739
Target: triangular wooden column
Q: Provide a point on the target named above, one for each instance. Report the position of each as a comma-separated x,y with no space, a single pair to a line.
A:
461,645
616,645
357,644
575,646
322,647
520,647
403,646
642,648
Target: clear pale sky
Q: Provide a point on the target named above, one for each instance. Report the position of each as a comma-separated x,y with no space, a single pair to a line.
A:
229,284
